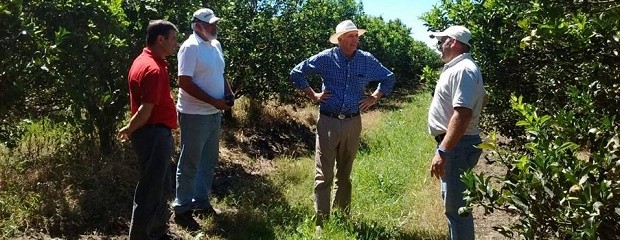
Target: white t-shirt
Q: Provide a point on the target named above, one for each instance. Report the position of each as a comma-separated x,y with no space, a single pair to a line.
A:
460,85
204,62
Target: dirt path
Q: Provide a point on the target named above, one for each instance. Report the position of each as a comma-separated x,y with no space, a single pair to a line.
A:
484,223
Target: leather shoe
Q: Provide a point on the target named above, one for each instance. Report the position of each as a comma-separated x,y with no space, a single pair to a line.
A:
186,221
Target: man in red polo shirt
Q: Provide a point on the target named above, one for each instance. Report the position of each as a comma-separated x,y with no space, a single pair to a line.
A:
153,116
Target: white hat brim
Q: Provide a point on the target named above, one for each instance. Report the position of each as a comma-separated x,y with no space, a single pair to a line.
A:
334,37
214,20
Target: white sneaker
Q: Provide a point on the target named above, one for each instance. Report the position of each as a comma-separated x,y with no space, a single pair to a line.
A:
318,232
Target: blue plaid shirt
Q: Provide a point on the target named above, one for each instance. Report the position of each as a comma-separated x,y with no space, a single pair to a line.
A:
345,79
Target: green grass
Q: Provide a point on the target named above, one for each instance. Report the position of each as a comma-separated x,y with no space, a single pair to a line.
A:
393,194
57,185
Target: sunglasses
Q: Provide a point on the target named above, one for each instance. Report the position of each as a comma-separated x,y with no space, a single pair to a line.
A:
440,42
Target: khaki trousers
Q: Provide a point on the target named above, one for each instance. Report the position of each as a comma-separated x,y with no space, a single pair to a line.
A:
337,142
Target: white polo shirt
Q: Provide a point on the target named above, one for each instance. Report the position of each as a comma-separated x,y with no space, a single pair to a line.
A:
460,85
204,62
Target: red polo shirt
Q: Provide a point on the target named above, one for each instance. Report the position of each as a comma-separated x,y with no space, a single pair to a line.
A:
149,83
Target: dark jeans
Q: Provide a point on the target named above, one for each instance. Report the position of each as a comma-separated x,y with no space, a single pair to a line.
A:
153,145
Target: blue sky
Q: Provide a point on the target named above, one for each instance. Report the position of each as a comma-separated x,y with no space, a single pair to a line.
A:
408,11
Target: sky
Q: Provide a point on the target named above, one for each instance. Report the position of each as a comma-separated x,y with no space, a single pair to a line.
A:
408,11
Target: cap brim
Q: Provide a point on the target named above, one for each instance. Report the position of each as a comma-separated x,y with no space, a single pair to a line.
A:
442,34
334,37
214,20
211,21
438,34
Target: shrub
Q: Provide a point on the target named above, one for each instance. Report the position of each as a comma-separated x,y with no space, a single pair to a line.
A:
558,189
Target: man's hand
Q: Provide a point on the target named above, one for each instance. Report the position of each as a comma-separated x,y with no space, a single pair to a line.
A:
220,104
123,134
321,96
368,102
438,166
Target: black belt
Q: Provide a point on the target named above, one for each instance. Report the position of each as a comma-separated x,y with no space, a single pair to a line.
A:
440,137
340,115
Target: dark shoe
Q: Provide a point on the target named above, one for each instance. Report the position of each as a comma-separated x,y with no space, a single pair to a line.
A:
206,212
186,221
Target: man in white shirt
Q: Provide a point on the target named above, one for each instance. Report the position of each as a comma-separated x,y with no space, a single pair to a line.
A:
453,120
202,97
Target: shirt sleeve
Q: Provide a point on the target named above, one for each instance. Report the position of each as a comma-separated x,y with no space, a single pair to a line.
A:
187,58
301,72
464,89
218,45
382,74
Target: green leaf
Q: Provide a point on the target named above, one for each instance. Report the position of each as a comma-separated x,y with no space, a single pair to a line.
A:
544,119
522,163
583,179
568,146
486,146
523,123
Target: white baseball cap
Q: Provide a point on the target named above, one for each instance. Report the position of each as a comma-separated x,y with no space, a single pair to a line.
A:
205,15
459,33
345,27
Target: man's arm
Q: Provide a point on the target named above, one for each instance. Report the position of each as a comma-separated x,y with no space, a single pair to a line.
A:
227,89
137,121
368,102
386,83
456,128
186,83
314,96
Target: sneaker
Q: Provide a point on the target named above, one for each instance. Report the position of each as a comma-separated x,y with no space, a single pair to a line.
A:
206,212
318,231
186,221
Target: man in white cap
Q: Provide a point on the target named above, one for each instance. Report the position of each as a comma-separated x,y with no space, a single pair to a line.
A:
345,72
453,120
203,95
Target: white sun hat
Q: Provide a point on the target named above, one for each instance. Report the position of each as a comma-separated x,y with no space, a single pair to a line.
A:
459,33
345,27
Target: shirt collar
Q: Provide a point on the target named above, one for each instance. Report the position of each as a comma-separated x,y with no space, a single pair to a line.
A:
457,59
150,53
341,54
199,40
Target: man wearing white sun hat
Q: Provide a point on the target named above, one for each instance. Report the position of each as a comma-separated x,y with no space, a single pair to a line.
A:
345,72
453,120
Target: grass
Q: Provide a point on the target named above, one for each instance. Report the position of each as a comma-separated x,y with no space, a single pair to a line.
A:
393,195
68,195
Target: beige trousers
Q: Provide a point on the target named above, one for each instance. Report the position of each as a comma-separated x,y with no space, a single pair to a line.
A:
337,142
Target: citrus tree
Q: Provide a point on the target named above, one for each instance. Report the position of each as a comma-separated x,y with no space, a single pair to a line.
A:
561,57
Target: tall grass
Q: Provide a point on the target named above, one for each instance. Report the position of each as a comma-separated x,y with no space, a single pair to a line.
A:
54,182
393,194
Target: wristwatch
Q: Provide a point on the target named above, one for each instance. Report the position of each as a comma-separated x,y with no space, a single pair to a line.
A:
442,152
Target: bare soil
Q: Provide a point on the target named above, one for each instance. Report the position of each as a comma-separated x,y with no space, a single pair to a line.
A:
484,223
